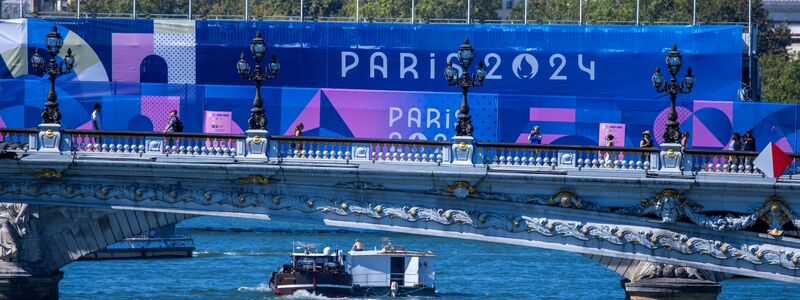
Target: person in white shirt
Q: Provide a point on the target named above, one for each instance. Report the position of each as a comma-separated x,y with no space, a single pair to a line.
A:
96,117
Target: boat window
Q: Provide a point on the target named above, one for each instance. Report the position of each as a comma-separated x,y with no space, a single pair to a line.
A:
323,260
305,262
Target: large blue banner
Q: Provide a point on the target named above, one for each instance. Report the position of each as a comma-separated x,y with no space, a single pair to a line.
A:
593,61
386,80
550,60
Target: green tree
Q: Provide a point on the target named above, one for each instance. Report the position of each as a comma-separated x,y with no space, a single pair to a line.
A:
311,8
457,9
173,7
612,11
102,6
380,9
781,75
605,11
547,11
774,39
275,8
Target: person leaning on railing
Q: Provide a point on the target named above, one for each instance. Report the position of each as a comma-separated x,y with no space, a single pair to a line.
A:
749,144
736,142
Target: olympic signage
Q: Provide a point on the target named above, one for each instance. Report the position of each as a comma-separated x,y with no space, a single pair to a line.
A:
567,60
523,66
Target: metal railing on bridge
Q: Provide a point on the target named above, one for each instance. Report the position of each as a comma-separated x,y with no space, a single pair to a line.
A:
279,149
467,12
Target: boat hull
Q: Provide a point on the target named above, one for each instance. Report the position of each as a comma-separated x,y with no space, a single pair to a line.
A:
326,284
138,253
384,291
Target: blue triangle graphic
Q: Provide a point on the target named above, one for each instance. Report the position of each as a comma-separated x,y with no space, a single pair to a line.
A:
331,123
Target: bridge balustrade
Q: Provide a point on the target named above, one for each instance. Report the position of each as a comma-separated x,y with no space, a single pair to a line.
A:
726,161
311,148
593,157
345,149
18,139
140,143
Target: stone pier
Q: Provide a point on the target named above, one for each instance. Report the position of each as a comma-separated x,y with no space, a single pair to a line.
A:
30,287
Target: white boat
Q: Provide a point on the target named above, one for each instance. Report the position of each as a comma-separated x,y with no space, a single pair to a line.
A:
157,243
392,271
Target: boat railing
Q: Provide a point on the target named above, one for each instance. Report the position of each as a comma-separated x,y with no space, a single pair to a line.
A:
385,279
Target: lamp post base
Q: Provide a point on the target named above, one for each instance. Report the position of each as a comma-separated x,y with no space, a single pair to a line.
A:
671,158
256,144
49,138
462,150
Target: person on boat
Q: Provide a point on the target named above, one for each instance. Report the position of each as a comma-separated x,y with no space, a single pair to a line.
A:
394,288
358,246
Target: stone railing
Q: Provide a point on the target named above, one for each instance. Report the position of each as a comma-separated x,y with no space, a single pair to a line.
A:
259,145
716,161
551,156
18,139
154,143
346,149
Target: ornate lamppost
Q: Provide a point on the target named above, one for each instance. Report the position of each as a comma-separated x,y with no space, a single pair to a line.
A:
462,148
258,47
674,60
53,42
465,55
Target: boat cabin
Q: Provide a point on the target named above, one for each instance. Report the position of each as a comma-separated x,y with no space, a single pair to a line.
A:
316,262
392,263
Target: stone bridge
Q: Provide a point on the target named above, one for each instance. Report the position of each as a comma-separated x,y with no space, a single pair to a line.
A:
670,221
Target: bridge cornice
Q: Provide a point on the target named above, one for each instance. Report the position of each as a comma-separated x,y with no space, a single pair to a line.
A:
715,194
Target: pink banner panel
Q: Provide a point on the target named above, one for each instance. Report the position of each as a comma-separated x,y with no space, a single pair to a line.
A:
552,114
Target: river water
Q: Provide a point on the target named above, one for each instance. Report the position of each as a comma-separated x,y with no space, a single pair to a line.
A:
234,258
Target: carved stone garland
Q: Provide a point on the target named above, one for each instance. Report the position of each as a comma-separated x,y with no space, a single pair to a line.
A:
670,206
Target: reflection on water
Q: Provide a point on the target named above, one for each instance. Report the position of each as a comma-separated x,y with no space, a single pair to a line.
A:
234,258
